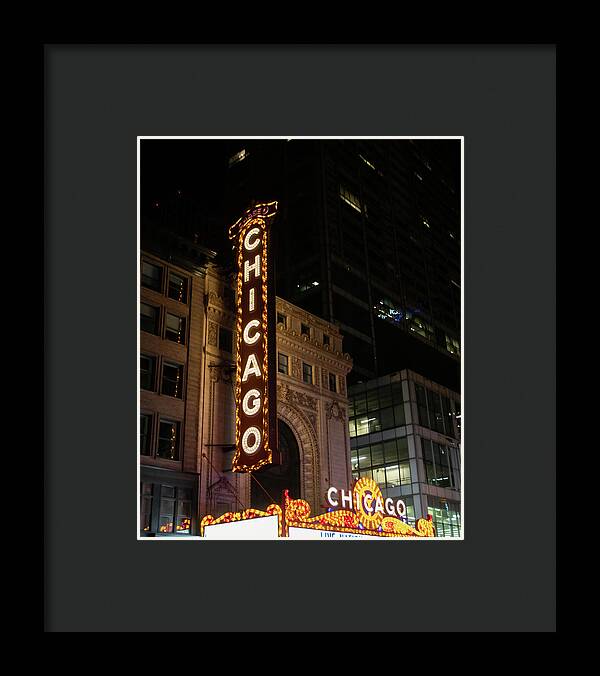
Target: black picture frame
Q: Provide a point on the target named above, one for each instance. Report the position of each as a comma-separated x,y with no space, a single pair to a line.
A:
502,99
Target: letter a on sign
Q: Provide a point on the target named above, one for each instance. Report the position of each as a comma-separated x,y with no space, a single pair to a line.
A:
255,384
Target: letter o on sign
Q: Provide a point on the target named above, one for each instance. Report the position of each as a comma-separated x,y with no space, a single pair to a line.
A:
251,432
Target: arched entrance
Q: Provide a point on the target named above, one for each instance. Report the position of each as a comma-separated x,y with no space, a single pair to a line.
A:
276,478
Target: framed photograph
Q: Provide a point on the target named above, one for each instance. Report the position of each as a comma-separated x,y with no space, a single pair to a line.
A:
287,269
300,305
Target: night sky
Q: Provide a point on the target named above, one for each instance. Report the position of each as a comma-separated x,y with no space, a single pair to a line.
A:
197,168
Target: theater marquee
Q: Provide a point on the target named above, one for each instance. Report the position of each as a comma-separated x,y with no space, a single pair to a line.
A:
255,393
360,513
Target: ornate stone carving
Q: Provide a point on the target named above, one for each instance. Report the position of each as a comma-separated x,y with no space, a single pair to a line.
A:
324,379
296,368
335,412
212,333
214,372
219,301
285,393
282,391
313,420
303,399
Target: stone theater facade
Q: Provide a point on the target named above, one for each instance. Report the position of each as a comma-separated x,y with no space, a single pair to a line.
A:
187,403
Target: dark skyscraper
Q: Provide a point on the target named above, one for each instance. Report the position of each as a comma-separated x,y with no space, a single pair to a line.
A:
367,237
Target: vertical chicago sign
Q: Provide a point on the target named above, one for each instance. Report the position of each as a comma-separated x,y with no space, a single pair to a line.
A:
255,385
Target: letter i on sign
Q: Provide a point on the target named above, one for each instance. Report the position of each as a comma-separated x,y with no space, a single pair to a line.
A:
255,386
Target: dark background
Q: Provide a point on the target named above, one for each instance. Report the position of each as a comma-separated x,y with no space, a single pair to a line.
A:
98,99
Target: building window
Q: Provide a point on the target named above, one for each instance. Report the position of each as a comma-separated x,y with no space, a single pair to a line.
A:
151,276
385,462
145,434
445,515
149,318
238,157
434,411
325,339
168,440
175,328
453,346
172,380
307,373
350,199
438,466
282,319
422,405
147,372
457,415
145,506
177,288
421,327
332,382
283,363
175,510
305,330
225,340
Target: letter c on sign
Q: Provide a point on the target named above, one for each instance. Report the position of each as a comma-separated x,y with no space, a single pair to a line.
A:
330,499
251,340
251,245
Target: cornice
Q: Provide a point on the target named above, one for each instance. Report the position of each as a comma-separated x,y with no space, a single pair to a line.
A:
306,345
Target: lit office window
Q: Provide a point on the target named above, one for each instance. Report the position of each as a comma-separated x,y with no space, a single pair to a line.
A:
370,164
389,311
238,157
385,462
421,327
445,515
350,199
453,346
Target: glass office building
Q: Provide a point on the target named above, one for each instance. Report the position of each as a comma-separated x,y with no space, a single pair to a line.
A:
405,435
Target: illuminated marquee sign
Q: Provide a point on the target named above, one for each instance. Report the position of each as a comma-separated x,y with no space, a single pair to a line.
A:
367,499
360,511
364,514
255,394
